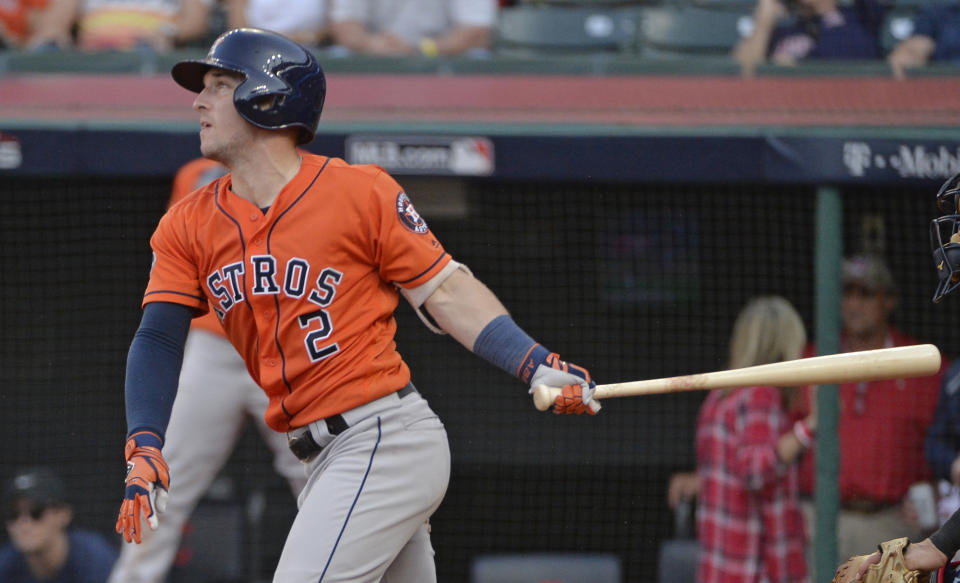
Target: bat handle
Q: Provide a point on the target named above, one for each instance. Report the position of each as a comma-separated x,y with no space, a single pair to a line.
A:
543,396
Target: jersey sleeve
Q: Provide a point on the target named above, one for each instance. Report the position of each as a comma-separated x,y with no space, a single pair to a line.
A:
404,248
173,275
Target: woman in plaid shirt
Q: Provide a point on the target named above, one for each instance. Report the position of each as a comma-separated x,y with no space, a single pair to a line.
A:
749,522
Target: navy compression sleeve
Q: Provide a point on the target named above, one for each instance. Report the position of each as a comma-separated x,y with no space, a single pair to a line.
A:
153,366
947,537
504,344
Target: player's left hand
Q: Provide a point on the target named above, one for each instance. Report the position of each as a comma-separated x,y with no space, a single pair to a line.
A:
147,484
576,396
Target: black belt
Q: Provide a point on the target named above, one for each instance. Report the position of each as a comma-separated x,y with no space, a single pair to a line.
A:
305,447
866,506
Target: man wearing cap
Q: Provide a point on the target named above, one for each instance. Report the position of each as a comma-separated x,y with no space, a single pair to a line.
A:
42,548
882,424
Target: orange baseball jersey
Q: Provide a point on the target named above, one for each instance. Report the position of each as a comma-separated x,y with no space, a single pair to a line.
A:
191,176
304,290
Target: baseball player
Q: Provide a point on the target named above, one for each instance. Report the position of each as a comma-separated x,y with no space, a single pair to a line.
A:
302,258
215,398
896,559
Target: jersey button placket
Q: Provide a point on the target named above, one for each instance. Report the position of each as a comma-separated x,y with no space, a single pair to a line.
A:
264,311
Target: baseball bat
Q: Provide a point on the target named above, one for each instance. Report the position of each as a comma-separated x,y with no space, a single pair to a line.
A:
867,365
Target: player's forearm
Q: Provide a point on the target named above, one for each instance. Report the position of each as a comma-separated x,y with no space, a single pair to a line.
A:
467,310
947,537
463,306
153,366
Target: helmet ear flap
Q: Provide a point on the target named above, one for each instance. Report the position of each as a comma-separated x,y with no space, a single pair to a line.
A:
269,103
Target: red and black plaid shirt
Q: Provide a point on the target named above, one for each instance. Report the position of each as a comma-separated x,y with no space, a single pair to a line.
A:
748,515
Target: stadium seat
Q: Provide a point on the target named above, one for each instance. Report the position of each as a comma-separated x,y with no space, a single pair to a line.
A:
533,29
683,31
537,567
677,561
678,556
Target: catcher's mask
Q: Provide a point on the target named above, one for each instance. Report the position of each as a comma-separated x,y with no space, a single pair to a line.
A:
945,238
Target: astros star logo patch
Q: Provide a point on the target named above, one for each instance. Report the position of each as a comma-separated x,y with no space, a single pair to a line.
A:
409,216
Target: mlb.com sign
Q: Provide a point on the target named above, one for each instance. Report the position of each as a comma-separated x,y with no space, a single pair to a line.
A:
439,155
11,154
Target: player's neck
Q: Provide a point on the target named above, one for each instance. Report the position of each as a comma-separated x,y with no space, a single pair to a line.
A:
263,173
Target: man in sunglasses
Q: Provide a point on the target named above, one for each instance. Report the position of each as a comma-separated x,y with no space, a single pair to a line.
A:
878,419
42,547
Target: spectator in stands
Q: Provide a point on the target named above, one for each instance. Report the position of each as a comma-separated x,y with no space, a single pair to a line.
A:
305,21
749,522
400,28
18,19
42,546
811,30
94,25
935,37
882,424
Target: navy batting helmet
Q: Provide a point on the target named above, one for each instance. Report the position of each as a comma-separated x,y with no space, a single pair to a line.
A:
284,85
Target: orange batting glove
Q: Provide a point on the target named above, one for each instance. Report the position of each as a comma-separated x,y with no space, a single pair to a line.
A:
542,367
570,400
147,484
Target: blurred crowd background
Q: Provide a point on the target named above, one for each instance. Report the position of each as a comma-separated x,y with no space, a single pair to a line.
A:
903,33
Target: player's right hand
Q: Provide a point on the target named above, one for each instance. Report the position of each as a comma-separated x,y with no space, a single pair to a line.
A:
546,368
147,484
